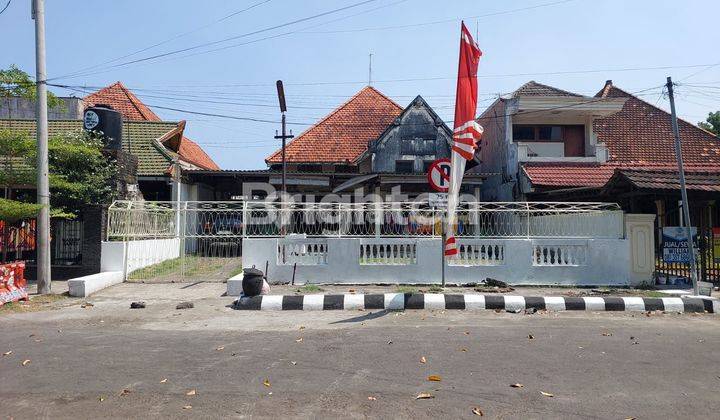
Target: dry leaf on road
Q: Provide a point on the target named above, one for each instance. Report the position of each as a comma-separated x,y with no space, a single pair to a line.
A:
125,392
434,378
191,392
531,337
547,394
299,340
26,362
187,407
221,348
163,381
607,334
477,411
101,398
517,385
7,353
293,363
371,398
423,360
266,382
424,396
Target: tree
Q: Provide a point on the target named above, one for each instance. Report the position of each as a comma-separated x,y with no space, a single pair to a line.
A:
16,83
712,124
80,174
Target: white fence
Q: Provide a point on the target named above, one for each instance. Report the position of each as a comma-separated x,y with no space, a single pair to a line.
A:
189,219
521,243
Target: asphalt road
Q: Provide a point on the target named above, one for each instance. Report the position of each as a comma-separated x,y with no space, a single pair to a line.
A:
355,364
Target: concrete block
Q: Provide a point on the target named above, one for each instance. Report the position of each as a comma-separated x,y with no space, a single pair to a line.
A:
87,285
234,285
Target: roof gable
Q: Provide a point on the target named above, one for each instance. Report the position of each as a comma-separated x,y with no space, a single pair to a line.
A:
642,134
533,88
343,135
122,100
132,108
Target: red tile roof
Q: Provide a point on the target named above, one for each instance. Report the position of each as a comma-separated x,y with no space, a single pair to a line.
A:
568,174
343,135
706,179
193,153
124,101
533,88
642,134
638,137
572,175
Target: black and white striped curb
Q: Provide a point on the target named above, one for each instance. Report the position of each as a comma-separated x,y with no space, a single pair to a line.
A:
400,301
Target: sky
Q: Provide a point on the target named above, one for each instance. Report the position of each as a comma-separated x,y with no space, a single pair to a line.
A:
323,60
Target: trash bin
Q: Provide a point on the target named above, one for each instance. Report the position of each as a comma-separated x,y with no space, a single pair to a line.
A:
252,282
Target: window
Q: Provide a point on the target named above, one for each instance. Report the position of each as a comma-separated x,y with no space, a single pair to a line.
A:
550,133
404,166
523,132
537,133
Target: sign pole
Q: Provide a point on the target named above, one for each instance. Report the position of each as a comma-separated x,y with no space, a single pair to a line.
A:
683,189
443,237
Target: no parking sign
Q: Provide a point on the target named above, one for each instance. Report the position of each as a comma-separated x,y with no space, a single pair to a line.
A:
439,175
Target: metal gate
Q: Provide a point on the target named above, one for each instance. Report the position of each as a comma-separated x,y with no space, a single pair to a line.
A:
167,242
708,259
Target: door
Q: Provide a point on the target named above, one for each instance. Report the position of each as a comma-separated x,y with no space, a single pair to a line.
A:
574,140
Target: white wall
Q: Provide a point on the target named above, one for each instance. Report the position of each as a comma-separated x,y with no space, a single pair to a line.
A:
139,253
607,262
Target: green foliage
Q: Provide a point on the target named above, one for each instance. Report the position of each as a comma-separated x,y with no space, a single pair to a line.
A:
79,172
712,124
15,82
12,211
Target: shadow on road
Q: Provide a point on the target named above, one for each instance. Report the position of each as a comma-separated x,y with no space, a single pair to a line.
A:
366,317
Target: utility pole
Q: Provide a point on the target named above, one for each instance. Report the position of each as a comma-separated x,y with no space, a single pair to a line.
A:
683,189
43,183
284,136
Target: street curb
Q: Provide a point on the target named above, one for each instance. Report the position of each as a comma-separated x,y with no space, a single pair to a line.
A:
401,301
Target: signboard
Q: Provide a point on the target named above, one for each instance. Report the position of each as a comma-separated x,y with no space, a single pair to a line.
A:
438,200
439,175
716,244
675,246
91,120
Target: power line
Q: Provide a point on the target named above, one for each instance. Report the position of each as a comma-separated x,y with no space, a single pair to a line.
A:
6,6
485,76
226,17
595,100
436,22
207,44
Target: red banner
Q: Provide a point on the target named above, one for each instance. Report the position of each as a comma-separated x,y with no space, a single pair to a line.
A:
466,131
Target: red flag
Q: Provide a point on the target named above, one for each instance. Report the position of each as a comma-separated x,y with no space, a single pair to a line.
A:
466,131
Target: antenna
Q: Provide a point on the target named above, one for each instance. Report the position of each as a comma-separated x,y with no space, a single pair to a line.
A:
370,71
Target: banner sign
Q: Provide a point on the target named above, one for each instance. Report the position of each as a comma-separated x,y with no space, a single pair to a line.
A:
675,244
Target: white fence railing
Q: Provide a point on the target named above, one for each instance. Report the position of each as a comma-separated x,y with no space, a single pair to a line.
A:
147,220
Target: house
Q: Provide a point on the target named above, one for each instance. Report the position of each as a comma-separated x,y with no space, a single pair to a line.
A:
156,143
369,144
547,144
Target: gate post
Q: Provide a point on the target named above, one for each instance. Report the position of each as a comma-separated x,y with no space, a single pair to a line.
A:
639,231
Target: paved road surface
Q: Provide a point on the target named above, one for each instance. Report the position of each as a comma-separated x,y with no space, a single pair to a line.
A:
609,366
